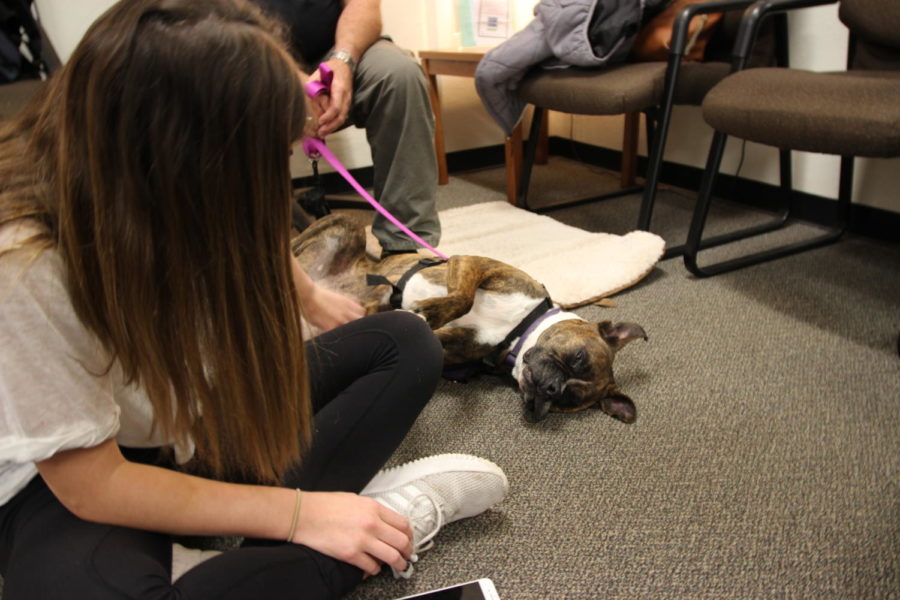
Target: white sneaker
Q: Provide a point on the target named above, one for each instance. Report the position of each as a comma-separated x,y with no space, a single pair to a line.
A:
184,559
436,490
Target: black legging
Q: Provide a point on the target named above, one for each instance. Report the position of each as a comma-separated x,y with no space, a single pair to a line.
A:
371,379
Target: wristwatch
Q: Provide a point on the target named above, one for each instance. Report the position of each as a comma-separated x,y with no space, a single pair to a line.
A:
344,56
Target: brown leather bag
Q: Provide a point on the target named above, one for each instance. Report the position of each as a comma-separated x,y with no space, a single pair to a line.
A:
652,42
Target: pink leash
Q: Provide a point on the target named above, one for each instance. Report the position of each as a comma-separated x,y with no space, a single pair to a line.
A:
315,147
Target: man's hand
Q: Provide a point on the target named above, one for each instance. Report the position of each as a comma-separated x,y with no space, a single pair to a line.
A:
358,27
331,110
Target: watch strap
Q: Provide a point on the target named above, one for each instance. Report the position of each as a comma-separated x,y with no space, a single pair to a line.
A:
344,56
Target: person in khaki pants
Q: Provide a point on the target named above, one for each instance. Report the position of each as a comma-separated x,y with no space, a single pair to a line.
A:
377,86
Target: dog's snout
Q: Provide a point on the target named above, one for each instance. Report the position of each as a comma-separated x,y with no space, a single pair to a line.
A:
551,389
551,386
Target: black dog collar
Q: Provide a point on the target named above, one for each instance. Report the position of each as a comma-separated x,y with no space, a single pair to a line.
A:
523,329
396,299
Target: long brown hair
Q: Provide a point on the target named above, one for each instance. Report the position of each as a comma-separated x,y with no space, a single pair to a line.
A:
157,162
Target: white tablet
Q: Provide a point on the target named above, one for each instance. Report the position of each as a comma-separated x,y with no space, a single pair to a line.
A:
481,589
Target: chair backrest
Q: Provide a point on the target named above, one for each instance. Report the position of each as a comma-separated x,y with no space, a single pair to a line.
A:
697,78
875,26
764,49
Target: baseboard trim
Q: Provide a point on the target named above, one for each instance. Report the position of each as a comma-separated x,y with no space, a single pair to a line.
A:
865,220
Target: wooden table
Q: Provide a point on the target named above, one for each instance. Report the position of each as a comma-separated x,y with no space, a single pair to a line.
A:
462,63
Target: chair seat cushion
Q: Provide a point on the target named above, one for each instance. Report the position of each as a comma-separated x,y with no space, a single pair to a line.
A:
623,88
609,91
849,113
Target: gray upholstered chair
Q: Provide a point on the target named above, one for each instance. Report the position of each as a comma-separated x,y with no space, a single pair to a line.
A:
848,113
651,88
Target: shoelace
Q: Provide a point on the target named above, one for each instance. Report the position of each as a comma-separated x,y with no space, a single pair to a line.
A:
427,541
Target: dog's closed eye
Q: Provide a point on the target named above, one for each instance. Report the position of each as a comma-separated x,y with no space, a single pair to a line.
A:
578,361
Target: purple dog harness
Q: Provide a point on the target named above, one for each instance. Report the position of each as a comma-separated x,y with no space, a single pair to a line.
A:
525,328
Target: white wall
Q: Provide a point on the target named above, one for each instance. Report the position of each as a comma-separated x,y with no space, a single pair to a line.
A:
65,21
818,41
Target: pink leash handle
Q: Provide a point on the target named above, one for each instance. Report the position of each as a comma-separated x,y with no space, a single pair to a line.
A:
315,147
317,88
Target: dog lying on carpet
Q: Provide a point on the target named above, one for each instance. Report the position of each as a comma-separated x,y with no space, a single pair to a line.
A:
484,312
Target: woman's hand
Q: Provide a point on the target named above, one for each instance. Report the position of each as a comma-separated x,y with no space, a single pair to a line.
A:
327,309
324,308
354,529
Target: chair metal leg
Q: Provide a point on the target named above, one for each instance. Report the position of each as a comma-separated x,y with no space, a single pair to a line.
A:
654,163
695,241
657,131
528,161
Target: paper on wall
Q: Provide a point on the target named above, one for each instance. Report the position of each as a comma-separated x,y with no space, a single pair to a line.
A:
483,22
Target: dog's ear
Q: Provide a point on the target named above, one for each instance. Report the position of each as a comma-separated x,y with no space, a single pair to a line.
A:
618,405
620,334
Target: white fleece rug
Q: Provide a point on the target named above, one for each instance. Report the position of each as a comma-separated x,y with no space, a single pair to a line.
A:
577,267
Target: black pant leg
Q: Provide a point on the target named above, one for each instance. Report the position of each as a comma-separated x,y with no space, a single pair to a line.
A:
47,552
370,380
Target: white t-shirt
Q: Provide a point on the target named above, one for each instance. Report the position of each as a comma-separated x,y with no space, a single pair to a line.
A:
56,390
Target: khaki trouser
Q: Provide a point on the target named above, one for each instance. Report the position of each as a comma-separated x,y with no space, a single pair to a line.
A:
391,103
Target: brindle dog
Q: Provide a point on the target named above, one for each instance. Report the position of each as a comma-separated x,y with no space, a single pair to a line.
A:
473,303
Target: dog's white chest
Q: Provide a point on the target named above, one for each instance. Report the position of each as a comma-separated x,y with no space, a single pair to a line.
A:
493,314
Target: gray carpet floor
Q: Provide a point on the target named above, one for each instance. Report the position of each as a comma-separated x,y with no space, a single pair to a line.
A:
764,461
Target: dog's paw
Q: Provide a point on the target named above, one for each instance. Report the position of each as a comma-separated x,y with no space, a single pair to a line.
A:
431,311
